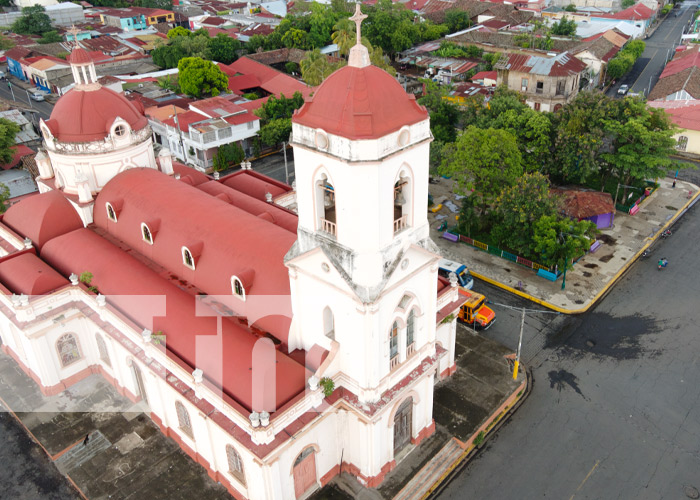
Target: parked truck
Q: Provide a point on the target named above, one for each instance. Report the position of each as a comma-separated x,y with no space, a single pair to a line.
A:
474,312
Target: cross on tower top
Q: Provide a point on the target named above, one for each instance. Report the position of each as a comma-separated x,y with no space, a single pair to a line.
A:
74,31
357,18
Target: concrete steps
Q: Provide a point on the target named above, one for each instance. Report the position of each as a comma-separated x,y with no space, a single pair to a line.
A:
80,453
417,487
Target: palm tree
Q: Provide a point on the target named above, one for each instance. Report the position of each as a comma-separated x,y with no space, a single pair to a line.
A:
315,67
344,36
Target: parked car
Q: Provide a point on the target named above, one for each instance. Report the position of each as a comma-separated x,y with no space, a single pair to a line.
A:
37,95
623,89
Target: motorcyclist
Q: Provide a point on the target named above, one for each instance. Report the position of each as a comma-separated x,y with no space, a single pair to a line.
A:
663,262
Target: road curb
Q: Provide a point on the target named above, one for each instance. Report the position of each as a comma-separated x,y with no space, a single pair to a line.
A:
473,450
613,280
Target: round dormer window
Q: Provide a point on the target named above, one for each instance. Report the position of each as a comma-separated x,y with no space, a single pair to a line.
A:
120,131
321,140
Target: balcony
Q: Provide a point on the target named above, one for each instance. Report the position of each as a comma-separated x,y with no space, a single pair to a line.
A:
393,362
328,227
410,349
400,224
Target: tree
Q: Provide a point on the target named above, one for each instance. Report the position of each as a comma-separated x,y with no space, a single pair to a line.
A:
51,37
484,161
559,241
344,36
641,142
444,115
156,4
6,43
178,31
223,48
8,131
321,21
628,3
295,39
227,155
315,67
572,8
34,21
168,56
276,131
198,77
564,27
518,208
4,196
275,118
255,42
457,20
534,133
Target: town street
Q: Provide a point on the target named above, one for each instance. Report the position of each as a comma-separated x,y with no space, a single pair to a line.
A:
659,48
43,109
615,408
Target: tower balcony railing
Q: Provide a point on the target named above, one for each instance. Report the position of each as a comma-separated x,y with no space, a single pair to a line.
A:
410,349
393,362
328,227
401,223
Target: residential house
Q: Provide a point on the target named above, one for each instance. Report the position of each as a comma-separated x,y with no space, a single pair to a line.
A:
247,75
685,114
462,92
194,135
680,79
41,71
596,55
547,82
13,58
127,19
639,15
26,134
583,204
486,78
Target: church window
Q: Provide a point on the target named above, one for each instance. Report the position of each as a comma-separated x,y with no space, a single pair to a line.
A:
237,287
120,131
328,323
68,351
146,234
111,214
102,349
183,419
394,342
235,464
410,329
187,258
325,199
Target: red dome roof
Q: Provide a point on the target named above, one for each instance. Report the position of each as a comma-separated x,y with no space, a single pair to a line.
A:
360,103
87,115
79,56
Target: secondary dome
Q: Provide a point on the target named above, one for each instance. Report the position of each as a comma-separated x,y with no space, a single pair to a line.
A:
86,115
79,56
360,103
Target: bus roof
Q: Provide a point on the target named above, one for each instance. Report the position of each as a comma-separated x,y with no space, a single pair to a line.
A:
450,266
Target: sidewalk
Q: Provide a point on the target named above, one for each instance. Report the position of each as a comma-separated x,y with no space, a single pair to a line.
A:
467,408
593,275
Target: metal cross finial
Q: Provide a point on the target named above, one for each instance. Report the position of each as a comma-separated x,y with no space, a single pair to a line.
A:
357,19
74,31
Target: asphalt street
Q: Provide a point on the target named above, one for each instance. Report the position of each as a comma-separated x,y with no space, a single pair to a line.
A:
659,49
615,408
18,94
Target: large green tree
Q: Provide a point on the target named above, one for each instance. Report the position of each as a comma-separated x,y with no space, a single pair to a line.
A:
34,21
457,20
223,48
198,77
8,131
518,208
559,241
484,161
275,118
444,115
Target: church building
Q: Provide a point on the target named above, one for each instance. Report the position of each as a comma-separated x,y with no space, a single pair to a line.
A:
277,348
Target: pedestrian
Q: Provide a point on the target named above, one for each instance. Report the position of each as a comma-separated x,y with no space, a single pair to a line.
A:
674,183
87,438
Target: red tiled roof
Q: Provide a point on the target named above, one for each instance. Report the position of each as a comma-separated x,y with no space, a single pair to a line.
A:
360,103
584,204
216,106
255,185
18,151
563,64
483,75
637,12
207,226
253,74
184,120
213,21
685,114
682,60
17,53
42,217
27,274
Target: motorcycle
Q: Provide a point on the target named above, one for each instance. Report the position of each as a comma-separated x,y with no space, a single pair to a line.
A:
662,263
666,234
645,254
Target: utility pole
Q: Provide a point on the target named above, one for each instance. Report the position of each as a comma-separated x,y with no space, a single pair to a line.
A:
29,99
286,171
520,344
9,85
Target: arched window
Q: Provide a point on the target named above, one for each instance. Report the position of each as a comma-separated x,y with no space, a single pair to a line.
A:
146,233
102,349
183,419
111,214
237,287
235,464
682,143
187,258
68,351
402,202
328,323
394,342
325,199
410,328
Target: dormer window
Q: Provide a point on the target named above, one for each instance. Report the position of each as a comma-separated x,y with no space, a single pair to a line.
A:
111,213
120,130
146,233
187,258
237,288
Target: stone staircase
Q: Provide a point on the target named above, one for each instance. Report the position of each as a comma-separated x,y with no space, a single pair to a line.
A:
80,453
419,485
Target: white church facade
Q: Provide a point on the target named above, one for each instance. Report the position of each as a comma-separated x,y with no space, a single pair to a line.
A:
227,315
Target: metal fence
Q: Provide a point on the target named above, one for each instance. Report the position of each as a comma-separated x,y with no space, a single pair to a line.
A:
493,250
